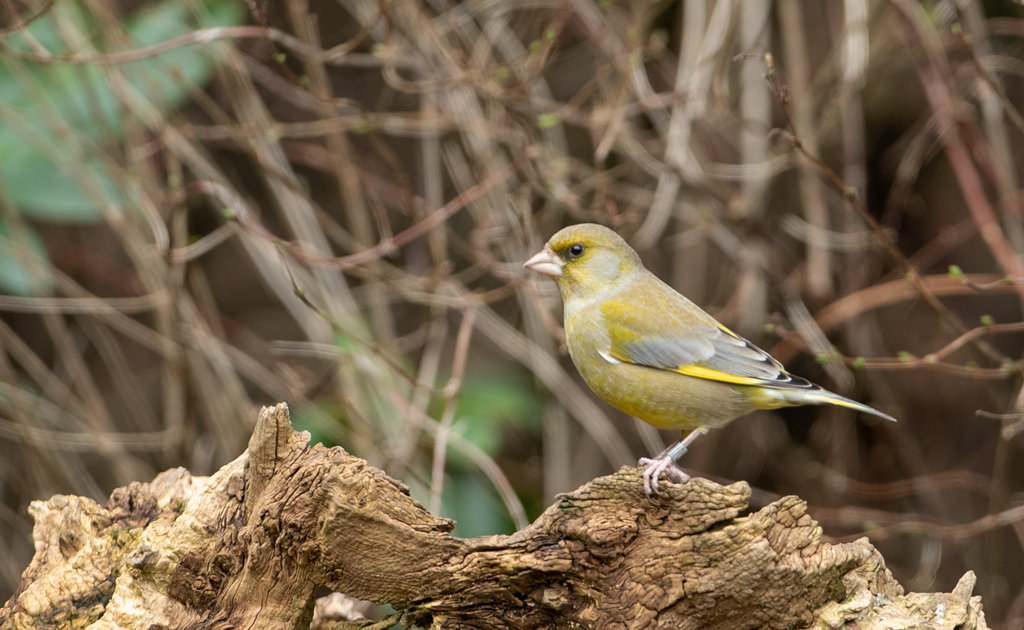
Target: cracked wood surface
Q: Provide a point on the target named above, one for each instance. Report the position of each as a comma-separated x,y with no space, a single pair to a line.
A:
246,547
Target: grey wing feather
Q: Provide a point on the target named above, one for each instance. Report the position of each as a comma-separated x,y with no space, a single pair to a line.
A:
735,355
667,353
638,337
718,350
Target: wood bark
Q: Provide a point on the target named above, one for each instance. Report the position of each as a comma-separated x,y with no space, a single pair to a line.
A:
246,547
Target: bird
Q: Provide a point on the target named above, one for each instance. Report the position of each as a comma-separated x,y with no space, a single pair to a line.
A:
650,352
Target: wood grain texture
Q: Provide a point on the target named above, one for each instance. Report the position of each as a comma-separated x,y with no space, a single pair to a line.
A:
246,547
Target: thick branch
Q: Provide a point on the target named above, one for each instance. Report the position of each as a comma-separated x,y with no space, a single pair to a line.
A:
246,548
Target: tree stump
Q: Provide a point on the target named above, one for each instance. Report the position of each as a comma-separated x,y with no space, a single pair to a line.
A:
247,547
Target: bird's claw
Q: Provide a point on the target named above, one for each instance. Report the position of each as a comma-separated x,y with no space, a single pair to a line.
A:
653,469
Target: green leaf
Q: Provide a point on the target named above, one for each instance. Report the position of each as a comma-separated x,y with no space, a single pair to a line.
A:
490,403
60,115
499,397
24,268
44,190
472,503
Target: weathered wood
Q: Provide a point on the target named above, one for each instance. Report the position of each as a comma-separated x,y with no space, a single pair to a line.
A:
246,547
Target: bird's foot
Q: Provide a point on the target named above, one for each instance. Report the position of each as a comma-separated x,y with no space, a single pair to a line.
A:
653,469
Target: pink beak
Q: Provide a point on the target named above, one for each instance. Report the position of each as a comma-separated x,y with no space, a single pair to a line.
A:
545,262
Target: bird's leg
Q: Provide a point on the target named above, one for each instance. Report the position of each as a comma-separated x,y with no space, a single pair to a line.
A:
666,463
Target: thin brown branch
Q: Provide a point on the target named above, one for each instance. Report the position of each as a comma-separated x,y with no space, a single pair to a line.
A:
850,194
891,293
339,56
891,524
451,392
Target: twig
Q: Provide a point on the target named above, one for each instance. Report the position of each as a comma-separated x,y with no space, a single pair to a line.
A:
334,56
238,211
887,294
850,194
1007,107
933,360
20,24
896,524
451,392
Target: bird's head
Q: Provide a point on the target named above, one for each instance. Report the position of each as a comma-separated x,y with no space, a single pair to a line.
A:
585,257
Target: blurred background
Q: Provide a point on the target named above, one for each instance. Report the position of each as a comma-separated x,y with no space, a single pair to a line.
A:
211,205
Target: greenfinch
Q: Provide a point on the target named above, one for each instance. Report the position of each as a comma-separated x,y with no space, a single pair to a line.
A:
650,352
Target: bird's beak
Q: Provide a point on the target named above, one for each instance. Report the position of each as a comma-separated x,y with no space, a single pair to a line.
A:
545,262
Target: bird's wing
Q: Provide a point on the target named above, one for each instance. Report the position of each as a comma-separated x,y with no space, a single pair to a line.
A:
691,344
669,332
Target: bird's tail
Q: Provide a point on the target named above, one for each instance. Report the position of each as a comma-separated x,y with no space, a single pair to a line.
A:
814,395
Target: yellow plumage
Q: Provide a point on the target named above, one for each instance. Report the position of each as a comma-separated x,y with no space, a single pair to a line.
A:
652,353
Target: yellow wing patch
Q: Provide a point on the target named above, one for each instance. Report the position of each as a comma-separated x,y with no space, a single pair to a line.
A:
727,331
714,375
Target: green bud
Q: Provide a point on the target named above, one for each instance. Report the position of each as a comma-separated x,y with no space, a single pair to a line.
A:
547,121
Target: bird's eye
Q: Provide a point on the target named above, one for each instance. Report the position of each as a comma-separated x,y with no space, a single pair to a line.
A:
576,250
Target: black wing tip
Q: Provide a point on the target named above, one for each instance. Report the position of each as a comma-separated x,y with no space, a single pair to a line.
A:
797,382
